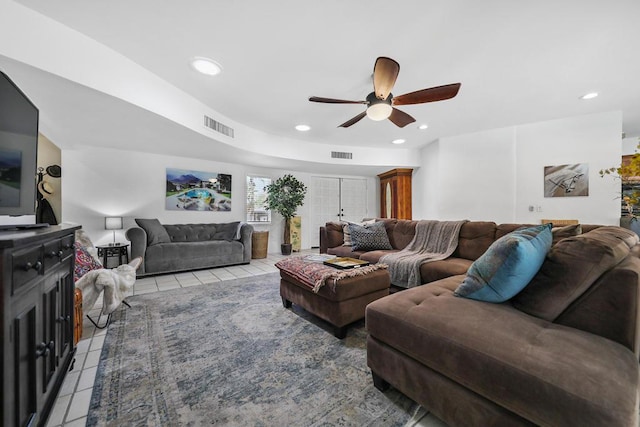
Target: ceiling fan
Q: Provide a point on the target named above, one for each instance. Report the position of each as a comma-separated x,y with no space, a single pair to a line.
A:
381,102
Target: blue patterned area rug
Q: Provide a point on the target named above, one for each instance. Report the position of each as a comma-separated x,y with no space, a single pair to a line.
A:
229,353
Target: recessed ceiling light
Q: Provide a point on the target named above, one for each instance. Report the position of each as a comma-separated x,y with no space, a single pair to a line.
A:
590,95
206,66
423,126
303,128
398,141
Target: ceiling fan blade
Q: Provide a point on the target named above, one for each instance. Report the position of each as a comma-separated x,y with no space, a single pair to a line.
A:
438,93
354,120
385,73
400,118
334,101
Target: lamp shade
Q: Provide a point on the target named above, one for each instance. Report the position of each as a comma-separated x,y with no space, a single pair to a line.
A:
113,223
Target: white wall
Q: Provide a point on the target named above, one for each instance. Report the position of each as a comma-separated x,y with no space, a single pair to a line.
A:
106,182
630,145
78,58
467,177
49,154
496,175
493,175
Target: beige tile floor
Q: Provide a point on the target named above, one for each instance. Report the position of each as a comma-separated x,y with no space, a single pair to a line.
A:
72,404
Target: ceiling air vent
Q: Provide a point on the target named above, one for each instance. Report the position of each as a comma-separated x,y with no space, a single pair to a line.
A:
218,127
341,155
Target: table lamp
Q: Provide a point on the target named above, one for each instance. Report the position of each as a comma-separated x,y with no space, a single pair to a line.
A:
113,223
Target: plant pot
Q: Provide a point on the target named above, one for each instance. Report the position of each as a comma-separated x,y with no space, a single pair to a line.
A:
630,223
285,248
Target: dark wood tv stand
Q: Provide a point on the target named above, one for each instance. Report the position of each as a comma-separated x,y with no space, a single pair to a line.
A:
36,268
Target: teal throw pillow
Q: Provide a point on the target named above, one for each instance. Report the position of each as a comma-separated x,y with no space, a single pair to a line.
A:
507,266
369,237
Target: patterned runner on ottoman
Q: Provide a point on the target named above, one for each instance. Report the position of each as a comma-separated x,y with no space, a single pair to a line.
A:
315,275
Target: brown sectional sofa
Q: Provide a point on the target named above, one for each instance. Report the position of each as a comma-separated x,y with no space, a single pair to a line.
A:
475,238
562,352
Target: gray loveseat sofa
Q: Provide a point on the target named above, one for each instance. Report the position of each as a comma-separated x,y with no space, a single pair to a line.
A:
181,247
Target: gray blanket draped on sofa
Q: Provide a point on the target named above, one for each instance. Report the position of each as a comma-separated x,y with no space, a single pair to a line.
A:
434,240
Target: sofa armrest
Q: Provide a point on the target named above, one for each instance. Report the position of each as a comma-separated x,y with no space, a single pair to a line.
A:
138,238
331,236
323,240
246,231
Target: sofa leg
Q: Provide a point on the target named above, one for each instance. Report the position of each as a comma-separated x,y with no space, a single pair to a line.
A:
286,303
379,382
340,332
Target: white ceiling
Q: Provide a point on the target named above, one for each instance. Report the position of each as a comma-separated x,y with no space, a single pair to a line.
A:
518,62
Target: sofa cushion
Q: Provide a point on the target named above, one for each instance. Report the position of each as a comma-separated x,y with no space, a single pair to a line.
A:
547,373
156,233
369,237
504,229
474,239
627,236
436,270
374,256
345,251
229,231
400,232
202,232
335,234
608,307
571,267
560,233
166,257
507,266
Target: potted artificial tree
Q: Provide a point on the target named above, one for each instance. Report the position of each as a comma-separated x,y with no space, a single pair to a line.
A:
284,196
629,174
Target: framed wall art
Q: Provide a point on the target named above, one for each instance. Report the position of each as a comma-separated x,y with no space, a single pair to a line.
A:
566,180
190,190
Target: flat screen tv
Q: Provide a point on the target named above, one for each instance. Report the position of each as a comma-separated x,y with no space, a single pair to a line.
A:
18,153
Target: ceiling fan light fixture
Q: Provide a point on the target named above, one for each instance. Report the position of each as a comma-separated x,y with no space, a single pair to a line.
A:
303,128
206,66
383,105
379,111
423,126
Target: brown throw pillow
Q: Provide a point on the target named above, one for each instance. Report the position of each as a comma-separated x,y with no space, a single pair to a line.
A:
560,233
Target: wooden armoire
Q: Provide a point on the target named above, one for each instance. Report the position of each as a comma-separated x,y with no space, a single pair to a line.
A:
395,193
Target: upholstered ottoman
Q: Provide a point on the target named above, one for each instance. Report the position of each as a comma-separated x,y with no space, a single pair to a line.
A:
337,296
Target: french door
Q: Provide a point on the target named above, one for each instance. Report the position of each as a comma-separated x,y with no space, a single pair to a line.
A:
336,199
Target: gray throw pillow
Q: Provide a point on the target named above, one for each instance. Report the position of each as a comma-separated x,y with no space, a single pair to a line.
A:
227,231
156,233
369,237
346,232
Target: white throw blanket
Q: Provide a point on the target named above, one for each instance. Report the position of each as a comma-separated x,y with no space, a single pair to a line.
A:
434,240
115,283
